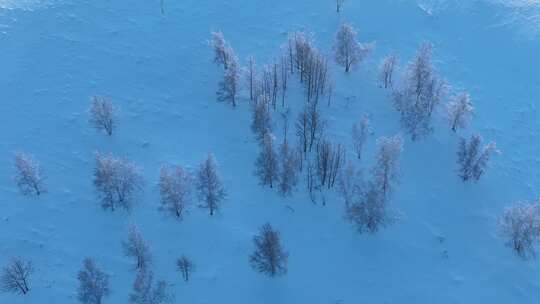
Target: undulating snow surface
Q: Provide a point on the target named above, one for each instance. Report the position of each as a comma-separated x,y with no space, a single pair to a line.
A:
158,70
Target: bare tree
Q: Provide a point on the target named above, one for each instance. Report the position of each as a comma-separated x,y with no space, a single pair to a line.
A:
420,93
310,127
102,114
288,171
266,165
145,291
472,158
261,119
387,167
209,187
93,283
136,247
329,160
229,85
116,180
15,277
29,176
347,50
387,69
520,226
360,133
460,111
223,52
350,183
269,256
185,266
175,185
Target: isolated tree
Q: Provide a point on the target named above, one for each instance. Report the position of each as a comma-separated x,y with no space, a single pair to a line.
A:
520,226
146,291
175,185
472,158
369,212
269,256
266,165
223,52
15,276
360,133
209,187
261,119
185,266
387,166
102,114
29,176
419,94
347,50
136,247
288,169
93,283
460,111
387,70
117,181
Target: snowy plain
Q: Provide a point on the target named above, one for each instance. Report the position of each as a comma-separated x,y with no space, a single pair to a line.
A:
157,68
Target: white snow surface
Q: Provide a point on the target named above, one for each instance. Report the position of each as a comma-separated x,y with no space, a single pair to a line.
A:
157,68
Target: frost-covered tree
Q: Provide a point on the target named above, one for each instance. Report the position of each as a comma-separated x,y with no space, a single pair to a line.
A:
267,165
360,133
229,84
102,114
251,77
185,266
288,169
347,50
269,256
369,213
387,70
93,283
419,94
29,176
261,119
223,52
15,276
117,181
520,226
386,169
339,4
472,158
146,291
175,185
136,247
460,111
209,187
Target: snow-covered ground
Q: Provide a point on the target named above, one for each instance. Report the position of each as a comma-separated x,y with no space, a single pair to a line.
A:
158,69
